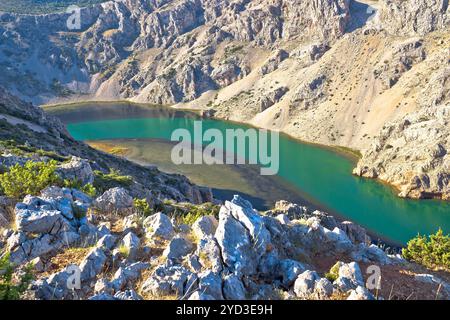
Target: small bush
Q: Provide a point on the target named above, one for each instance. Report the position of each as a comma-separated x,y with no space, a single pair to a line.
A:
142,207
13,286
333,274
28,179
196,212
88,189
432,252
105,181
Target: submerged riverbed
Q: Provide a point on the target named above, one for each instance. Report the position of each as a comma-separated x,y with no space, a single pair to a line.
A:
308,174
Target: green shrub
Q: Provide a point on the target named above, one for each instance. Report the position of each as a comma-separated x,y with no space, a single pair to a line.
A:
12,287
88,189
28,179
105,181
142,207
196,212
333,274
432,252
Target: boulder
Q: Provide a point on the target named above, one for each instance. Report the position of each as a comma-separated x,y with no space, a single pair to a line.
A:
323,288
127,274
77,170
288,270
305,284
208,251
360,293
233,288
205,226
178,248
35,215
167,280
159,225
350,276
242,210
210,283
114,199
234,241
92,264
131,242
107,242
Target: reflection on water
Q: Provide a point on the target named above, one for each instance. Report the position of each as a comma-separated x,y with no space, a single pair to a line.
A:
306,171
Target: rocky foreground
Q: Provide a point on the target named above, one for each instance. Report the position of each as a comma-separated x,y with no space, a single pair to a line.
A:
121,254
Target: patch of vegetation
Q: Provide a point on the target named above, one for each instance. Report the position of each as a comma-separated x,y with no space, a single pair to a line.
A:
333,274
105,181
87,189
432,252
42,6
142,207
196,212
13,286
28,179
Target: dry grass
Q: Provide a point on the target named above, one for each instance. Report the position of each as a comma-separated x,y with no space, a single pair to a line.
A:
65,258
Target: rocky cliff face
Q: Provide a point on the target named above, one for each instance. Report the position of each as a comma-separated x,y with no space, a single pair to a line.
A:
414,17
328,71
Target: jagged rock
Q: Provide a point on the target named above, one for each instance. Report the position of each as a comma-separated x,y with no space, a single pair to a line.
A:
323,288
35,215
209,254
288,270
93,264
103,286
242,210
413,17
291,210
168,280
107,242
339,239
211,284
127,274
76,170
356,233
370,253
360,293
178,248
237,250
205,226
233,288
44,244
350,276
305,283
114,199
131,242
15,240
158,225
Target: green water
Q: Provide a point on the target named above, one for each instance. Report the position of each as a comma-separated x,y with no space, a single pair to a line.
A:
323,176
